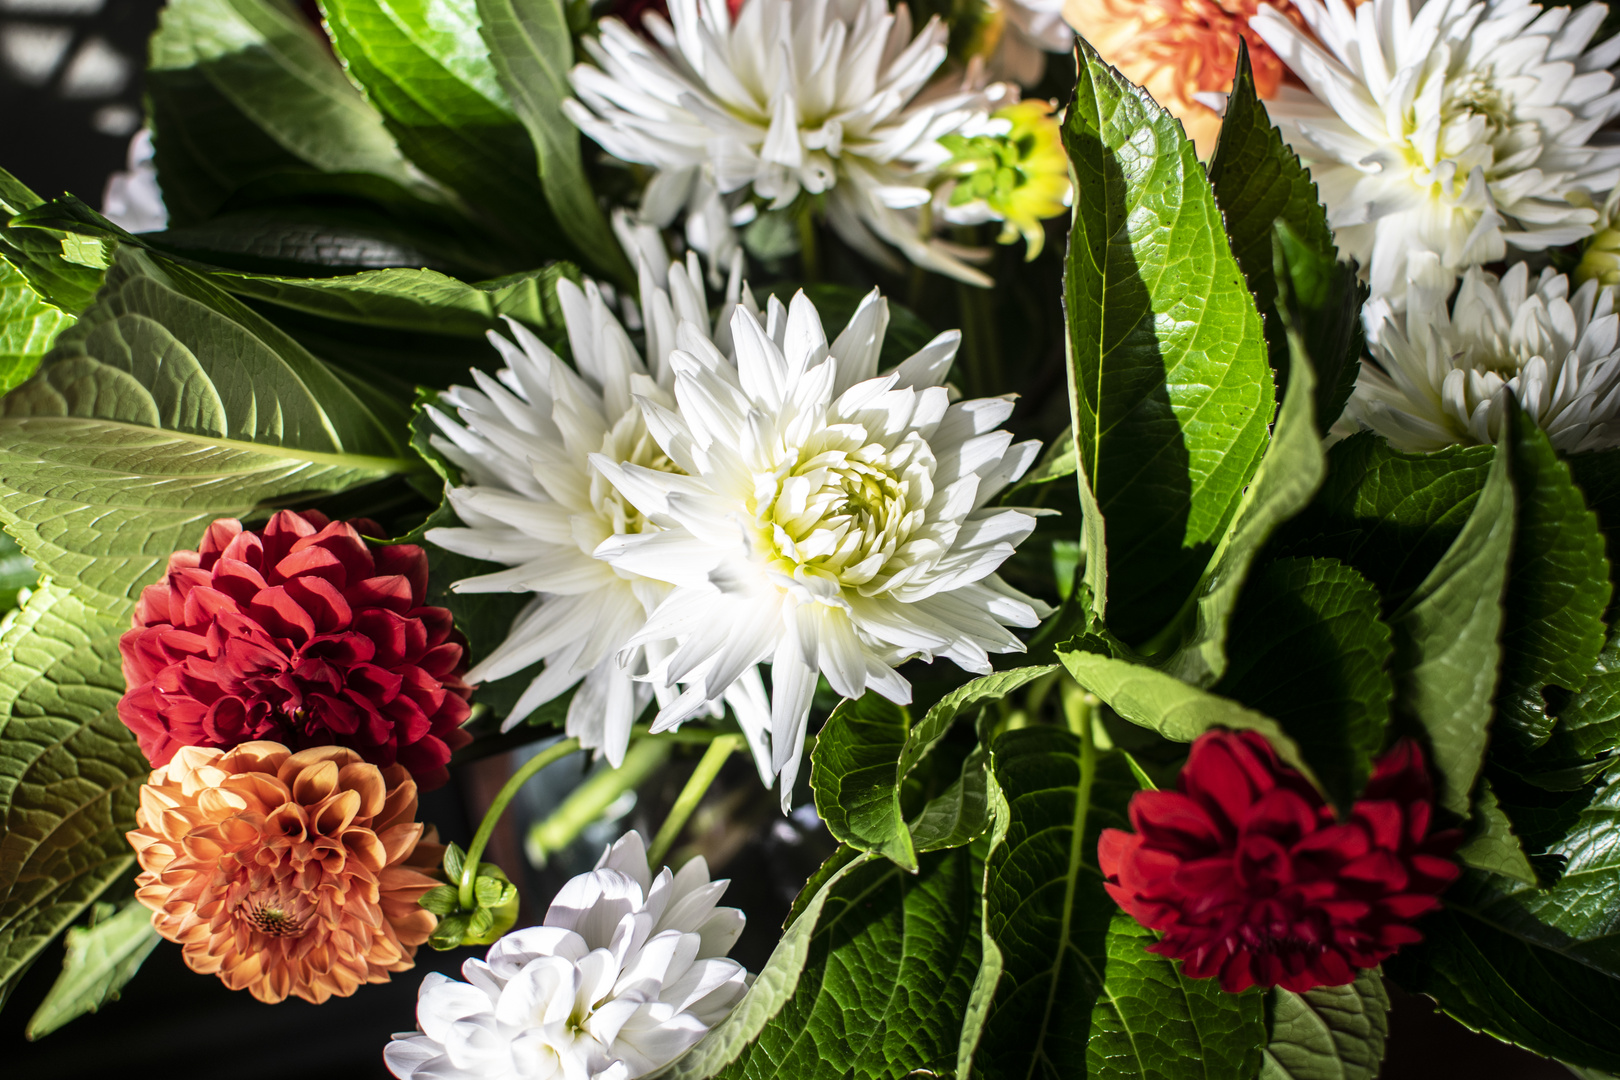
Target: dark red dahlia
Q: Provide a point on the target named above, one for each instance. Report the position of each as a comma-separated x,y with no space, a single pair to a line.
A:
1251,878
300,634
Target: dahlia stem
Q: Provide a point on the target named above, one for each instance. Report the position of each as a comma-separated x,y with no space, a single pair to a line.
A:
492,817
588,801
809,253
697,785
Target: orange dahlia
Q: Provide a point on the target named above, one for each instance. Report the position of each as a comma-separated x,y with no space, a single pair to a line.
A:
285,873
1178,49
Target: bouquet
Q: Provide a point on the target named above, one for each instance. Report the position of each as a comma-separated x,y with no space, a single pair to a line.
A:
1143,477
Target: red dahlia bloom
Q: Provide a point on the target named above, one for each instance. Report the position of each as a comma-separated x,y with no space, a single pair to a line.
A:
1250,876
300,634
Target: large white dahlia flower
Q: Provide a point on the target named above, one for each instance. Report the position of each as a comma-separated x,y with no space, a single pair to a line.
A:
1029,30
825,519
1459,128
626,974
827,97
532,500
1443,376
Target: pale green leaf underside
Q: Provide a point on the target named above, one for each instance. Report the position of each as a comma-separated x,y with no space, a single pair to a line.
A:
100,959
1330,1033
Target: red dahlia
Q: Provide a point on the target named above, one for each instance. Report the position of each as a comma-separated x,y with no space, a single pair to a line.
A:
300,634
1250,876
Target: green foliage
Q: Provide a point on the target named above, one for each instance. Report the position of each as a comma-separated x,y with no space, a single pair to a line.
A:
34,245
244,93
1447,640
70,771
425,67
101,957
167,406
1501,984
1309,650
16,573
1558,588
869,748
1152,1020
886,977
532,50
1289,475
1171,390
1330,1033
1280,237
1589,724
28,326
1493,847
494,908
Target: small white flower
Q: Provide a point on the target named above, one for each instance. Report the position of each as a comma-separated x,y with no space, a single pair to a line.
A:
821,96
1030,30
825,519
533,501
1461,129
626,974
1442,377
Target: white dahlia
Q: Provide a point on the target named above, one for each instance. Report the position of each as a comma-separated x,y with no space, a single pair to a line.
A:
1442,377
825,97
1030,29
824,519
1461,128
626,974
532,500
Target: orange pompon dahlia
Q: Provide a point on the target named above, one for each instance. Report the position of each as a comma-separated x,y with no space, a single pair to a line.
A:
1178,49
285,873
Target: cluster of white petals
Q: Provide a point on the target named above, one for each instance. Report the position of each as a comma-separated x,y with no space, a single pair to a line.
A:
1442,376
626,974
532,500
828,97
1029,30
824,519
1461,128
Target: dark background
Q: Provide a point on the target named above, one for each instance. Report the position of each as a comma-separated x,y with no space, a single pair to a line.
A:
69,99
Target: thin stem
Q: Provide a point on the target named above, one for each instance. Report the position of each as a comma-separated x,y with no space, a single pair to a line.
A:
588,801
486,828
696,787
809,252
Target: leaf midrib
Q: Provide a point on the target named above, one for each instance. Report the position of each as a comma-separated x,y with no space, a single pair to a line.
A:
1082,808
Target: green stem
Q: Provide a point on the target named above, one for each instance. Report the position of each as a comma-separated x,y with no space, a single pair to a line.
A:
696,787
981,344
486,828
809,252
586,803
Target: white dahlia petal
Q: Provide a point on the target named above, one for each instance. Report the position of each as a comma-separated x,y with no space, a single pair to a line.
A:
833,526
547,455
820,96
625,975
1441,374
1459,128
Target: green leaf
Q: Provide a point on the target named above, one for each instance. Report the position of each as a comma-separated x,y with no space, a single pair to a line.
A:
533,50
425,67
1500,984
777,980
1151,1020
1289,475
1448,640
1493,847
1046,911
1180,712
416,300
1171,388
1330,1033
70,772
100,959
1558,588
17,573
1309,650
1281,239
868,749
28,326
886,978
34,251
1578,917
441,899
244,91
1389,514
167,406
1060,460
1589,724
